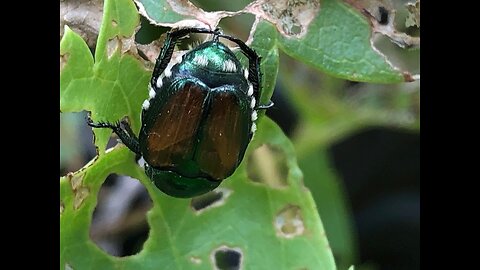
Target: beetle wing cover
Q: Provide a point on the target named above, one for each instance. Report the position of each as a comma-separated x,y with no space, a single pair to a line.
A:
225,134
172,138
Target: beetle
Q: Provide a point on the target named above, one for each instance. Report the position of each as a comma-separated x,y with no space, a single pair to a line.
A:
199,117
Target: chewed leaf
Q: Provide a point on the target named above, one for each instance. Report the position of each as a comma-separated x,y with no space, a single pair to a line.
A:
291,18
242,223
179,14
337,39
334,37
381,13
339,43
413,18
162,12
111,85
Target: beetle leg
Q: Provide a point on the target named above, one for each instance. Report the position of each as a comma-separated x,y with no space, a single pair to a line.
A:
254,72
169,45
131,134
128,129
125,134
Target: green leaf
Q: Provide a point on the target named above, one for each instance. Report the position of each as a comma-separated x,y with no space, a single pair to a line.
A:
338,43
276,227
264,44
161,11
112,85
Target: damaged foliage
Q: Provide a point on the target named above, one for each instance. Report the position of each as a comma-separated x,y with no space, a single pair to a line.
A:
382,16
329,35
413,18
292,19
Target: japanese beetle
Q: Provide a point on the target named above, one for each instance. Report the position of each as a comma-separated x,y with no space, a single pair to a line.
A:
199,117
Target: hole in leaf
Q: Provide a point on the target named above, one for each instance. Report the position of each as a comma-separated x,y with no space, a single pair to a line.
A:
237,25
268,165
205,200
292,17
211,199
397,56
148,32
296,29
413,15
380,10
226,258
114,23
76,148
119,224
213,6
289,223
383,15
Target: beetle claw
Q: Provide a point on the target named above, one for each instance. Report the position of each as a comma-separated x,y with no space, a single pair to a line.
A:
101,124
265,106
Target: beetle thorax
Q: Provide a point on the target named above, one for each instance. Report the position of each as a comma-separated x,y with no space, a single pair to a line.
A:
213,63
214,57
